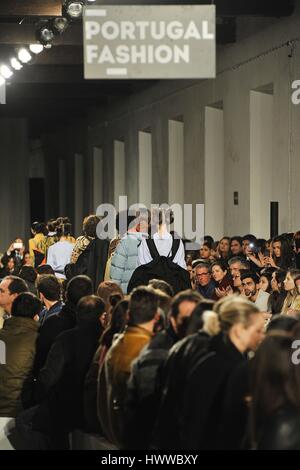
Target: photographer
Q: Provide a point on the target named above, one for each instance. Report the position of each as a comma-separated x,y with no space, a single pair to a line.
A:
15,251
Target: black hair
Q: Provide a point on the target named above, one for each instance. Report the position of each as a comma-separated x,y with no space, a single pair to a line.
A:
78,287
26,305
186,295
17,285
196,319
143,305
250,274
162,285
39,227
49,286
44,269
90,308
28,274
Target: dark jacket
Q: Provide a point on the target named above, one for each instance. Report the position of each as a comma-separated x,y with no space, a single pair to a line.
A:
281,431
208,291
193,397
19,335
91,262
143,389
54,310
52,327
60,384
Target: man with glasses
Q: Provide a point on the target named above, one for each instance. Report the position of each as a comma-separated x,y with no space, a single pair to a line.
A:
205,285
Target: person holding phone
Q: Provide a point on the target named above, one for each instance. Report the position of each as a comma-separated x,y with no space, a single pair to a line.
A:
16,251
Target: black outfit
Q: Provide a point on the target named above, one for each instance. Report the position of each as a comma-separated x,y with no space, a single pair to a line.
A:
198,400
208,291
60,387
91,262
281,431
143,389
51,328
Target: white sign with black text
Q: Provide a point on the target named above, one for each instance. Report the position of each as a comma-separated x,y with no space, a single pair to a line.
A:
149,41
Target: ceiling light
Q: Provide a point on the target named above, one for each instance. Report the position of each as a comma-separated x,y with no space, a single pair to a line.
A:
73,9
36,48
24,56
5,71
59,25
44,32
15,64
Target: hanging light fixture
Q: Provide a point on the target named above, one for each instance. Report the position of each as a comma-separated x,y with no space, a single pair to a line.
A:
24,55
36,48
59,25
15,63
73,9
6,71
44,32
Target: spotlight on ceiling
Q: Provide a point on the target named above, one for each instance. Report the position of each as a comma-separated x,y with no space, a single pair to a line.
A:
36,48
59,25
2,80
73,9
44,32
5,71
15,64
24,55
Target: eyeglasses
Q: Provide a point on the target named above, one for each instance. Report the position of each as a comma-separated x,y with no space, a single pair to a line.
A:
202,274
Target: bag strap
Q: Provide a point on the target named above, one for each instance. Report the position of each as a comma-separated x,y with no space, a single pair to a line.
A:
175,247
152,248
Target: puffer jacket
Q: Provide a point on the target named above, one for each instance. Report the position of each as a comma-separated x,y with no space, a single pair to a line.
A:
19,336
124,260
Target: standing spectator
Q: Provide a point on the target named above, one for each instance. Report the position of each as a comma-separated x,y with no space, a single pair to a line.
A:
60,385
112,383
49,288
19,334
89,230
78,287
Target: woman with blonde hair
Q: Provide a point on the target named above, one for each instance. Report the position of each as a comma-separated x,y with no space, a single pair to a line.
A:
291,305
195,383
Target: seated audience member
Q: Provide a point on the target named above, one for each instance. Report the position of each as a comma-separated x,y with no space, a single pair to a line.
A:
116,326
278,293
60,385
204,282
159,284
236,246
291,305
205,252
19,334
223,280
49,289
9,268
29,275
27,261
10,288
112,382
15,251
250,282
59,254
142,388
78,287
224,248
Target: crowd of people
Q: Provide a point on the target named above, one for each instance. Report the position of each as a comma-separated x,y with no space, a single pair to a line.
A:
148,345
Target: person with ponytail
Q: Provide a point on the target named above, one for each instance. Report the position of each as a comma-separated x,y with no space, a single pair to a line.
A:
196,377
59,254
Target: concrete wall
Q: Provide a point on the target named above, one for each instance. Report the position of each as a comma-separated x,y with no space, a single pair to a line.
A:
259,59
14,186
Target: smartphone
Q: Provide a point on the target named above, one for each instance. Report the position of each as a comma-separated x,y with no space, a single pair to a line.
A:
18,246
